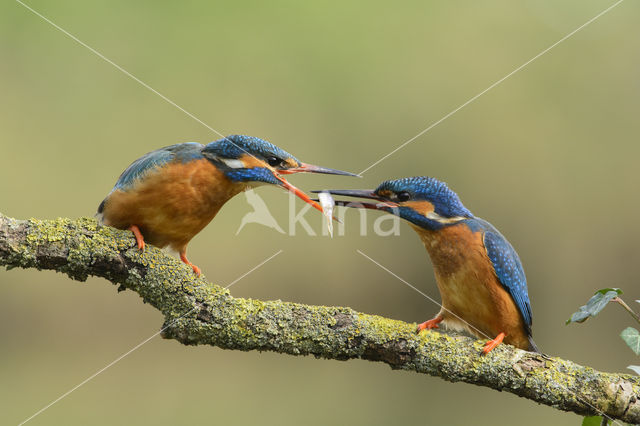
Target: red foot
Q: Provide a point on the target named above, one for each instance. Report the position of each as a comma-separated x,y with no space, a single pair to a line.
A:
183,257
491,344
138,235
432,323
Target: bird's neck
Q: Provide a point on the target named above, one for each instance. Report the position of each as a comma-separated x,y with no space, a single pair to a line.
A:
450,247
210,187
436,239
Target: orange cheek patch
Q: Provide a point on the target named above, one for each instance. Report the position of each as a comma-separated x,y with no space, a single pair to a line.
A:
291,163
422,207
250,161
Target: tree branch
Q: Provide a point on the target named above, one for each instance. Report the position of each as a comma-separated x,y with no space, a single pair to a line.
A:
198,312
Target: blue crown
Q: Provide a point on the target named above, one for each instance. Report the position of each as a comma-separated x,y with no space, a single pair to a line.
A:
234,146
445,202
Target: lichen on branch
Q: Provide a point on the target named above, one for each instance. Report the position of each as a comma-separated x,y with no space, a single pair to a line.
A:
198,312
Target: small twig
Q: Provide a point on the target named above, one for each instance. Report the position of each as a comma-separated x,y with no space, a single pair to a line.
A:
627,308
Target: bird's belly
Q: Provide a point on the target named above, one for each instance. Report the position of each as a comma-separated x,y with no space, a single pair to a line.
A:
472,297
172,204
474,300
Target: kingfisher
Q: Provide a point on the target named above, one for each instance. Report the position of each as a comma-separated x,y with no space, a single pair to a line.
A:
169,195
478,273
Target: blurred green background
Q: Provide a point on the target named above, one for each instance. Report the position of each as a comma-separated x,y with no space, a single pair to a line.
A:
550,157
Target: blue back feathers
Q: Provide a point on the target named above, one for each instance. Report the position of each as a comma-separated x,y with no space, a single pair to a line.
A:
183,152
507,265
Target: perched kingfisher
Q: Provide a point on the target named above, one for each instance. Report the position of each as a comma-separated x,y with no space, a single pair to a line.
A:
169,195
478,273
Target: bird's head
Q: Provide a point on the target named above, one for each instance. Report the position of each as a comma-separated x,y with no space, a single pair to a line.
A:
424,201
253,161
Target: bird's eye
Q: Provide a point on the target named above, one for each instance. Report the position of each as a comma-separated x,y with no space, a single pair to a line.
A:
403,196
274,161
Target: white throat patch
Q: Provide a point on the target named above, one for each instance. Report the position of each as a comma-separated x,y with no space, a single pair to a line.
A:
234,164
444,220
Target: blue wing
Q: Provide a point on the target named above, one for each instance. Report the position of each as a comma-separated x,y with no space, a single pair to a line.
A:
182,152
508,269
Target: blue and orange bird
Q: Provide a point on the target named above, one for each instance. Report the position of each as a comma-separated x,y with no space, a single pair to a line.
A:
169,195
478,273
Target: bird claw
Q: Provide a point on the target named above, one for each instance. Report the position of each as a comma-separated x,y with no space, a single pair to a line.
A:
491,344
139,238
430,324
196,270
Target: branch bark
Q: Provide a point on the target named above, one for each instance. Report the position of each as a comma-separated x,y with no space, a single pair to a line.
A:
198,312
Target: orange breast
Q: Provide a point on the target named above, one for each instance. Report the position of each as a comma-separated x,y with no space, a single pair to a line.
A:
472,297
172,204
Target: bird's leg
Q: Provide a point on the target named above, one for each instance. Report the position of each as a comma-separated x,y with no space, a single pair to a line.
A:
491,344
432,323
183,257
138,235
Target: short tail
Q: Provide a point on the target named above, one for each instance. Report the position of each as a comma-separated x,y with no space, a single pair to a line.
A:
532,346
99,214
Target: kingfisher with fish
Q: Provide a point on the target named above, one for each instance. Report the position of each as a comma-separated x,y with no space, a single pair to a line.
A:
478,273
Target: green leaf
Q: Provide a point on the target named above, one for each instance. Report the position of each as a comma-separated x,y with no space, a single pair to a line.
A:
592,421
635,368
632,338
608,289
595,304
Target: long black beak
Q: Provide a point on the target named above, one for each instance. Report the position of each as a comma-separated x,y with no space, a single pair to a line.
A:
383,203
310,168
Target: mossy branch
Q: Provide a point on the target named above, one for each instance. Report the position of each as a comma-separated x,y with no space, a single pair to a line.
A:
198,312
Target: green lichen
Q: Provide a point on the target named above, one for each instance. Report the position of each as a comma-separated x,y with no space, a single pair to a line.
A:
47,231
